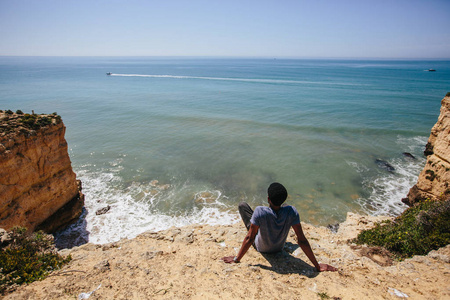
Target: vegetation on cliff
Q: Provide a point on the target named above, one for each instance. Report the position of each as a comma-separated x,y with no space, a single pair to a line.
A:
11,122
27,258
417,231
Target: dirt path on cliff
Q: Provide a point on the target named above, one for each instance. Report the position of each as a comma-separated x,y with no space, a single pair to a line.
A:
184,263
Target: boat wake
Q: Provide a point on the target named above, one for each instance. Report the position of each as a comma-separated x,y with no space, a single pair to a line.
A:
253,80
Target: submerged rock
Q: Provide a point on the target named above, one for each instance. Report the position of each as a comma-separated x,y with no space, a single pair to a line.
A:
384,165
408,155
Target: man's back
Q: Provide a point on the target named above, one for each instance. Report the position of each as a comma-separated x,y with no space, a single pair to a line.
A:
273,226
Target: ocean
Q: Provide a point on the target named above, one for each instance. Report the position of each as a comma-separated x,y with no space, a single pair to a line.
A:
175,141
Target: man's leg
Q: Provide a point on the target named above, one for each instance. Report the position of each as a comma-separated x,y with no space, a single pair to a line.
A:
246,213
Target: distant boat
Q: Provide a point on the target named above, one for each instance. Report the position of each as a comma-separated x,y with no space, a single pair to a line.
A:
431,70
109,73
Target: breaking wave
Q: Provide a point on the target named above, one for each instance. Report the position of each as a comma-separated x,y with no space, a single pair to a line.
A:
133,210
388,188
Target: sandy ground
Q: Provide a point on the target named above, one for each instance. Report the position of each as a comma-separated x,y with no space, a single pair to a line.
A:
184,263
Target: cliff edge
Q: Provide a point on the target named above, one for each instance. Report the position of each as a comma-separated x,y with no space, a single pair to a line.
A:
433,182
184,263
38,189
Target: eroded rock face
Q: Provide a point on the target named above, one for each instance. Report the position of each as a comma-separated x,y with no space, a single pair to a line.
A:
36,177
434,180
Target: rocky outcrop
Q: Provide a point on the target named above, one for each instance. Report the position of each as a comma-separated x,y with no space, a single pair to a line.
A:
433,182
185,263
38,188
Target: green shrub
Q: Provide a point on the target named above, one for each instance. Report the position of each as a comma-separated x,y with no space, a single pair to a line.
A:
28,258
323,296
44,121
58,118
29,121
9,112
417,231
448,94
19,112
35,121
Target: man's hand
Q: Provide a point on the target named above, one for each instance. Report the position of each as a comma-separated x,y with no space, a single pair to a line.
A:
228,259
325,267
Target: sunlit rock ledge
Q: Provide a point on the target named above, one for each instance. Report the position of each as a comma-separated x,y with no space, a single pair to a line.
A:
184,263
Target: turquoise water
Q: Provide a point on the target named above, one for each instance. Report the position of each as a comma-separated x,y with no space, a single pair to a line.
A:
174,141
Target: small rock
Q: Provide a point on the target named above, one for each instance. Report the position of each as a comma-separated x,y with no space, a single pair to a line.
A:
187,237
254,269
103,210
435,255
152,254
376,281
407,266
204,197
333,227
109,246
5,237
397,293
164,187
89,247
102,266
421,260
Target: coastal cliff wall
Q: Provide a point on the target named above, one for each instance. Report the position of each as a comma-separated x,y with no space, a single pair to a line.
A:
434,180
38,188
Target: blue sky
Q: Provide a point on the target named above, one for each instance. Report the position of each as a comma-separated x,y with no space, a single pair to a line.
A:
283,28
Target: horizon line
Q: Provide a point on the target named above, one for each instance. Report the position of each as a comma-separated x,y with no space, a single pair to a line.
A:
238,57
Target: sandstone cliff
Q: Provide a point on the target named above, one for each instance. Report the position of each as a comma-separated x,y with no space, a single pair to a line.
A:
433,182
38,188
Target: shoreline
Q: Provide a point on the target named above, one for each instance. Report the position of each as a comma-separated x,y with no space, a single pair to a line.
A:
124,217
184,263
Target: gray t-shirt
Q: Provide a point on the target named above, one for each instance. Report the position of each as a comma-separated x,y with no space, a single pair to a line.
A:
273,227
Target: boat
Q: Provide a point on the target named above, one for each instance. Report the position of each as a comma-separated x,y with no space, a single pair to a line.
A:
431,70
109,73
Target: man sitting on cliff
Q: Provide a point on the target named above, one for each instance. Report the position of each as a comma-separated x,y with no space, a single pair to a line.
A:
268,227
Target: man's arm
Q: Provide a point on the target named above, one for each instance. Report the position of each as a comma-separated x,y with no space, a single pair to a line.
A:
246,244
306,247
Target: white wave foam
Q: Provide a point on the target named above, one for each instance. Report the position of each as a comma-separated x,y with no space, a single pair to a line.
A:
387,189
236,79
132,209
